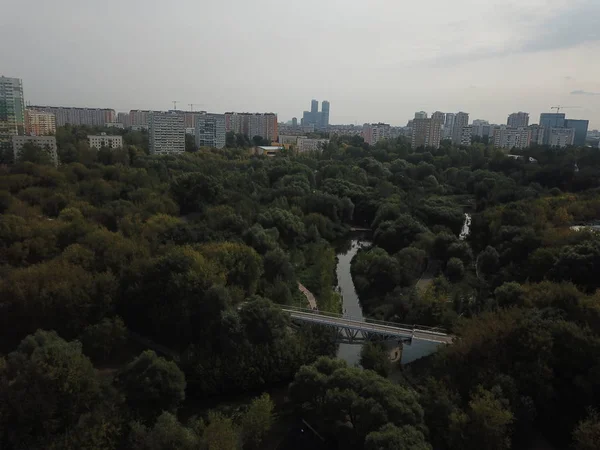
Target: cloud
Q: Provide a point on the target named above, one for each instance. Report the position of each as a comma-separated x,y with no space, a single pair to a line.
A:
581,92
566,27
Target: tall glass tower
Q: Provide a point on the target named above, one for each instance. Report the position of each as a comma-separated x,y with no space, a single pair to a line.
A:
12,108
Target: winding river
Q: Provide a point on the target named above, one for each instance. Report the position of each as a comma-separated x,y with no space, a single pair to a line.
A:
351,305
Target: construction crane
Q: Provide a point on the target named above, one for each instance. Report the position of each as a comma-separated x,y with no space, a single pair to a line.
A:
191,105
559,107
175,105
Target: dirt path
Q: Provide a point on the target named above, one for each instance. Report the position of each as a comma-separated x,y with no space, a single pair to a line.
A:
309,296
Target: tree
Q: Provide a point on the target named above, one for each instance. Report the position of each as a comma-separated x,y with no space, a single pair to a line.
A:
374,356
488,261
586,435
402,232
257,420
102,339
34,154
455,270
486,424
391,437
45,387
167,432
151,384
221,433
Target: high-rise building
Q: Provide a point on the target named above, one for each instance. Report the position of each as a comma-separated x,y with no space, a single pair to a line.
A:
294,122
375,132
448,126
47,143
38,123
426,133
12,110
581,129
439,116
552,120
79,116
481,128
461,120
320,120
466,134
166,132
139,118
252,124
537,134
325,114
420,115
517,120
561,137
123,118
314,106
210,130
508,137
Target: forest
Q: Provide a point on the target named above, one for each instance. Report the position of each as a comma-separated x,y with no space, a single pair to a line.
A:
133,286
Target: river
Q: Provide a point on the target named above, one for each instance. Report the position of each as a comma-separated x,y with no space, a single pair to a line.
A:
351,305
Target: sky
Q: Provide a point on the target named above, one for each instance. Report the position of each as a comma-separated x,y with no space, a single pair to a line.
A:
374,60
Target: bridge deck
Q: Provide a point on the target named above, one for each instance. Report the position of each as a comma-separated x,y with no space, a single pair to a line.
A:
388,329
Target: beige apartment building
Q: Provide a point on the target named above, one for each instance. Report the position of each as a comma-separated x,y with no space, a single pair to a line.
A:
39,123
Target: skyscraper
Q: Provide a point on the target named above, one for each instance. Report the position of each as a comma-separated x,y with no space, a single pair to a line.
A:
12,110
420,115
518,119
552,120
325,114
166,132
581,128
210,130
461,120
294,122
314,106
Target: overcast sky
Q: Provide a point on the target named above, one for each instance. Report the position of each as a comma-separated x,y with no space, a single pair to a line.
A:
374,60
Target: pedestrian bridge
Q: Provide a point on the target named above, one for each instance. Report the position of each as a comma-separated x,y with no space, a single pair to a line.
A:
354,330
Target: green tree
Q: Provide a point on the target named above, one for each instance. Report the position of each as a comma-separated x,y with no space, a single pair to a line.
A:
586,435
166,433
151,384
257,420
455,270
221,433
45,387
102,339
391,437
374,356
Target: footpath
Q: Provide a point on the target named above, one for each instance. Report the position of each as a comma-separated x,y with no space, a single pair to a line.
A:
309,296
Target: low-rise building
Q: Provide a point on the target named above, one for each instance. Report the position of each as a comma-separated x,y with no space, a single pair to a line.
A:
311,145
114,125
47,143
267,150
105,140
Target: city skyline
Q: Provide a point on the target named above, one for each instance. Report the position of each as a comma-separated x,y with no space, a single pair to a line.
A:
501,56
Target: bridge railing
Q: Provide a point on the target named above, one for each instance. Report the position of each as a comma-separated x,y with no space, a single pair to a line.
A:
413,327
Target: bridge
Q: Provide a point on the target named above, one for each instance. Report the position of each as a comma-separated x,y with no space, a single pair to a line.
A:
353,330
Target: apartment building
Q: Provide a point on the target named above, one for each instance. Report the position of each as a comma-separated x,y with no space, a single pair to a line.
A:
461,121
79,116
166,133
253,124
39,123
311,145
47,143
375,132
210,130
466,134
12,110
509,137
105,140
426,132
139,118
561,137
518,120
